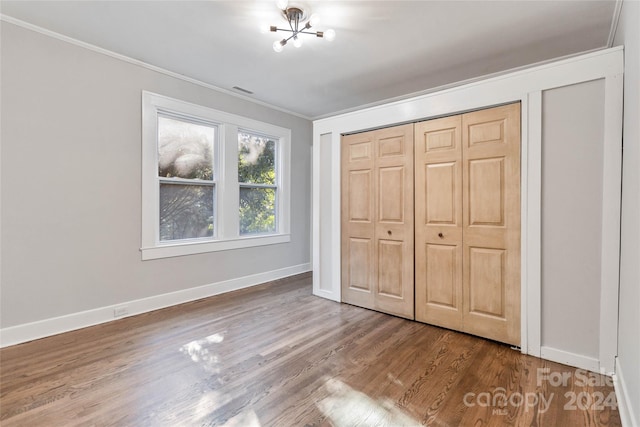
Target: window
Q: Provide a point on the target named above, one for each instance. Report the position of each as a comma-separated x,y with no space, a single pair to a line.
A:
211,180
186,178
258,188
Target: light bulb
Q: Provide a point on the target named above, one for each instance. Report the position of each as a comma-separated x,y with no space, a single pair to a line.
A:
265,28
329,35
297,41
314,20
278,46
282,4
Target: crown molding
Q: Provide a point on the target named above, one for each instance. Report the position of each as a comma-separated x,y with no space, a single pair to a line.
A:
124,58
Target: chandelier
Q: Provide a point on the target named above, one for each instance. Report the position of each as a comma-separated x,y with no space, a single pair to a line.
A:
299,23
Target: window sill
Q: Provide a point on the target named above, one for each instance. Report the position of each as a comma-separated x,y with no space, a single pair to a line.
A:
192,248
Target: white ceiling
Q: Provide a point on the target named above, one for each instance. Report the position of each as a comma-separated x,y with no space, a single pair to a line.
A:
383,49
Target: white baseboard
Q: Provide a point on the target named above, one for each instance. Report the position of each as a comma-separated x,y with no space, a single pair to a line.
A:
625,407
571,359
325,294
44,328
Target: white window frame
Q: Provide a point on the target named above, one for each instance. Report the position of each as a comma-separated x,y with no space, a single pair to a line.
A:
275,186
227,195
213,182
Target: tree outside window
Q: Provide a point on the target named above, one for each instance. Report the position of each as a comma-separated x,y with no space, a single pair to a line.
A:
186,175
258,183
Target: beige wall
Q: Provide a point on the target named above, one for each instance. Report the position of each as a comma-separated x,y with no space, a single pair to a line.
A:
71,183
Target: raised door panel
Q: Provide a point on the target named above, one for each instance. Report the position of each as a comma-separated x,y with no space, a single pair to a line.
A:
358,219
360,254
491,223
442,298
440,193
392,145
486,192
394,231
360,205
391,197
441,265
390,271
487,282
438,219
486,131
362,150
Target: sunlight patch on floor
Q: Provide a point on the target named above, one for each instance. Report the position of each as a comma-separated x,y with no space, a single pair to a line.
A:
346,407
199,351
244,419
208,403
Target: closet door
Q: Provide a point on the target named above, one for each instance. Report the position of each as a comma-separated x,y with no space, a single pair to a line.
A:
394,235
467,171
438,216
377,220
491,223
358,188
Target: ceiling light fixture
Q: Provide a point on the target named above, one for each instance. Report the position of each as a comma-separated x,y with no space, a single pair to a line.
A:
298,25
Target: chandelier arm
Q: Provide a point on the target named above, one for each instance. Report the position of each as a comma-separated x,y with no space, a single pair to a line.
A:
294,34
291,36
289,20
314,33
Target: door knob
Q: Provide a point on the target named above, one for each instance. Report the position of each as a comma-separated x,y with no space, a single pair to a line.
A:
389,232
440,235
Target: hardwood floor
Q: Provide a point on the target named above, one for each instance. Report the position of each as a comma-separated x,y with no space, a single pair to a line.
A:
274,355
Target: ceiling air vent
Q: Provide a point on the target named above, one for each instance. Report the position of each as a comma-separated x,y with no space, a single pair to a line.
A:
243,90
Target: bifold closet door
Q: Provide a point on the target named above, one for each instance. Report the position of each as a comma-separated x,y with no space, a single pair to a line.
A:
468,223
491,223
377,220
438,227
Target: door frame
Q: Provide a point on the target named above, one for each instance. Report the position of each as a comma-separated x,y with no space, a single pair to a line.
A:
526,86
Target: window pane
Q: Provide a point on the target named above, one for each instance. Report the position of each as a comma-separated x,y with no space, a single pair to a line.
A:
185,150
256,159
186,211
257,210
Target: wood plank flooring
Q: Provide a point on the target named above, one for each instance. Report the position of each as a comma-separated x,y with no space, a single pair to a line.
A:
274,355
